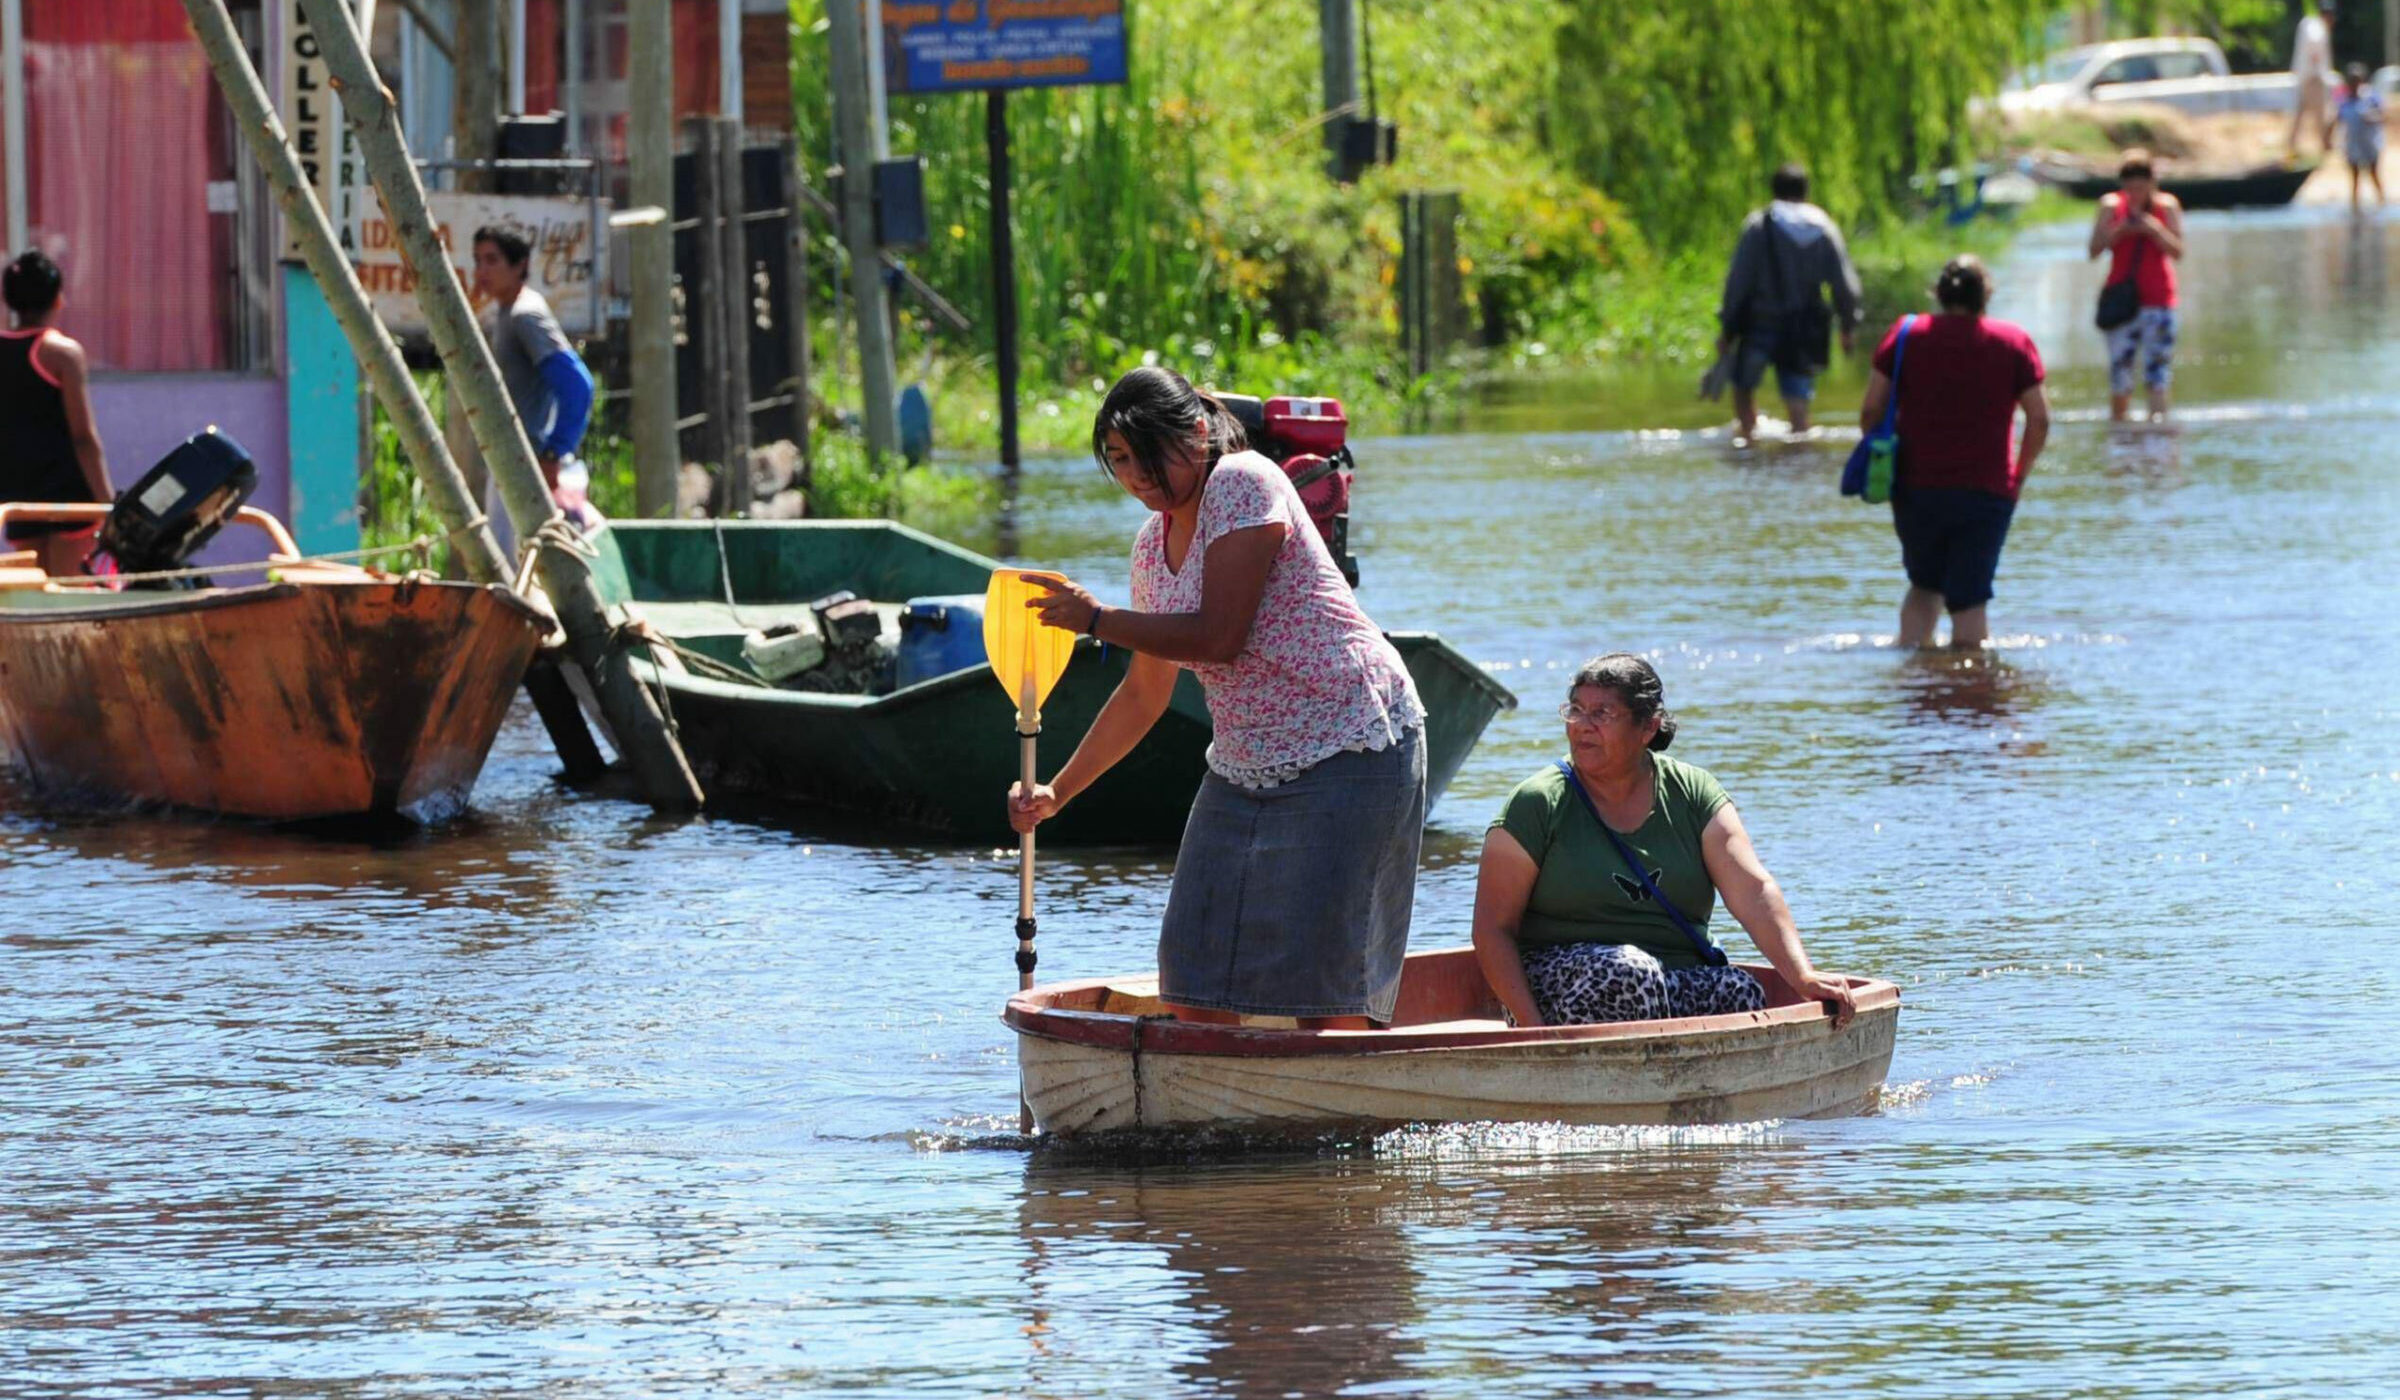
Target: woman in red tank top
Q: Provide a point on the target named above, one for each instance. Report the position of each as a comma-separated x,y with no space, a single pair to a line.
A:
49,447
2140,227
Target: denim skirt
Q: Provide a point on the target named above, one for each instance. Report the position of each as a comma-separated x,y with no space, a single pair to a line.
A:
1294,900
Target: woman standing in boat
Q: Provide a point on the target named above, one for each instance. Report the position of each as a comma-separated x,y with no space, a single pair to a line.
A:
1599,875
49,446
1298,868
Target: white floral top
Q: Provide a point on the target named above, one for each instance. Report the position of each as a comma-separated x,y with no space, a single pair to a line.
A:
1316,677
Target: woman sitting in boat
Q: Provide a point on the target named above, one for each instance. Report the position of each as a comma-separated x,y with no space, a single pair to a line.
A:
1599,875
1298,868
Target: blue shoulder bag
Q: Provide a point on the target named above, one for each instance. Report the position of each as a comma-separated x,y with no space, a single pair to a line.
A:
1709,952
1876,460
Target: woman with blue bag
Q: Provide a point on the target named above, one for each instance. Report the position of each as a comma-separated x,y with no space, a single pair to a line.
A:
1598,877
1950,410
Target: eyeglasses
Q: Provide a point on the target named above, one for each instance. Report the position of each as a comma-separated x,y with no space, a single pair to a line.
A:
1576,714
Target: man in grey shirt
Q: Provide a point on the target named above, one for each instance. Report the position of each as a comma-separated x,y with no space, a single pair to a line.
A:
1772,306
547,381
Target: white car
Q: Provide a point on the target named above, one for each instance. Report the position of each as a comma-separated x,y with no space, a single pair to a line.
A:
2190,75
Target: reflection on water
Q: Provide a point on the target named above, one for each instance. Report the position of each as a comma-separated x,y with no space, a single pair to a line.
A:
564,1099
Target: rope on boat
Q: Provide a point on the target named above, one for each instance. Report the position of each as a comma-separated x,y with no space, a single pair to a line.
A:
422,545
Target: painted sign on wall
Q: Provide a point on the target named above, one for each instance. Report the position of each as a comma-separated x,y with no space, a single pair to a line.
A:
971,45
562,267
321,139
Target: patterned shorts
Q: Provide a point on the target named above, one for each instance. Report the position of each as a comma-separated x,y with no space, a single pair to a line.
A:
2146,342
1580,983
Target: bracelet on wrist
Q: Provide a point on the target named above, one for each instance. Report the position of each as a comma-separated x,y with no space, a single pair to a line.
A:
1091,629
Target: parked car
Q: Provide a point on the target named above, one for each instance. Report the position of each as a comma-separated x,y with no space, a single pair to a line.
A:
2190,75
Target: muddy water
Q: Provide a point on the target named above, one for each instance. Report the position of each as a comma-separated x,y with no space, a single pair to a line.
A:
561,1099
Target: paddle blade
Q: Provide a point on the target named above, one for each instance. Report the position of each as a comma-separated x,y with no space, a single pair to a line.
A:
1026,654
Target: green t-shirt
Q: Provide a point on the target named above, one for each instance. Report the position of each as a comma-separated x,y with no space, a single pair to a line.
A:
1586,893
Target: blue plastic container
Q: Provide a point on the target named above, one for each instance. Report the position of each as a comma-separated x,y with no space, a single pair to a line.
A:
939,636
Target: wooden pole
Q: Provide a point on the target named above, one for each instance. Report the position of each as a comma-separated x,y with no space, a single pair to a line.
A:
657,451
853,121
795,304
640,731
733,245
704,306
475,88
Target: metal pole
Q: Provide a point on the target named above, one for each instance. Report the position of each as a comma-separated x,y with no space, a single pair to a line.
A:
12,123
657,454
729,59
1337,29
516,57
1004,274
852,119
445,489
639,729
733,245
475,90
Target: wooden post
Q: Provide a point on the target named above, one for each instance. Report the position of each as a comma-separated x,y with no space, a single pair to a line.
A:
640,731
733,293
657,450
704,306
475,88
853,121
795,308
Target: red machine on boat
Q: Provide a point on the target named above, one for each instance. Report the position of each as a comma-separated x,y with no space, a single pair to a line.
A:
1310,439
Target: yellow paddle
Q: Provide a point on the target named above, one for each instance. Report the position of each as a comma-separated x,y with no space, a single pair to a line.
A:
1028,656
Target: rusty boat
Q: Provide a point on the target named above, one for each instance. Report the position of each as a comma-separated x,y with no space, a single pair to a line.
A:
321,690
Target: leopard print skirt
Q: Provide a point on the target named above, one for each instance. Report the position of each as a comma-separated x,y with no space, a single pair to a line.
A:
1579,983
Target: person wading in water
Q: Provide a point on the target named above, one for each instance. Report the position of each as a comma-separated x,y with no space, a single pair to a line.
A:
49,446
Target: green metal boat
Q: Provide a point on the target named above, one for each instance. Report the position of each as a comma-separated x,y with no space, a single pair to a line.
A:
937,755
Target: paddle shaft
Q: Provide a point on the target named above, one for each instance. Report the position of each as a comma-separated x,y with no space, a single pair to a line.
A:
1029,728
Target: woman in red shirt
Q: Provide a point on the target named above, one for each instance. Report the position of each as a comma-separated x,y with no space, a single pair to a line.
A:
2140,227
1964,378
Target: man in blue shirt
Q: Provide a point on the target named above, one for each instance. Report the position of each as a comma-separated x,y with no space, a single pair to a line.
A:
546,379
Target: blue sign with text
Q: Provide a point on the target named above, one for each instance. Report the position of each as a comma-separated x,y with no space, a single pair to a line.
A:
975,45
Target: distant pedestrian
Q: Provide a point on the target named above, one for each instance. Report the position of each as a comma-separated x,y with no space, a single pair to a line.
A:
1773,307
1963,380
2362,117
49,444
547,380
2140,227
2312,74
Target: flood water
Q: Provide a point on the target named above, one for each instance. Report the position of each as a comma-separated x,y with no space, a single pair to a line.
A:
562,1099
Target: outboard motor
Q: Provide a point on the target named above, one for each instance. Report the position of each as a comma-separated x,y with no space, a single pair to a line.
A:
1309,439
179,505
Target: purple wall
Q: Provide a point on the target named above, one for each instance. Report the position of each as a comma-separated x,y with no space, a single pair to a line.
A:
143,416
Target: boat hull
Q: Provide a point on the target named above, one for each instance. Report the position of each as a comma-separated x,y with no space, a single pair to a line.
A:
284,701
2269,186
937,756
1094,1058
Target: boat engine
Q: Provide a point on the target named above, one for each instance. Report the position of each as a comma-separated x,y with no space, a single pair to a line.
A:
179,505
1309,439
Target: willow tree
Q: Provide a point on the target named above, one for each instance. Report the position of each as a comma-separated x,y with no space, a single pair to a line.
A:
1680,109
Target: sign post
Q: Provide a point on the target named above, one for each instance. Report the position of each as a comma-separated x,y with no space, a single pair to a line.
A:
991,46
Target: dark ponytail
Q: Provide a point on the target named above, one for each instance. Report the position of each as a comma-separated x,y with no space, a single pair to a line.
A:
1154,410
1635,684
1964,285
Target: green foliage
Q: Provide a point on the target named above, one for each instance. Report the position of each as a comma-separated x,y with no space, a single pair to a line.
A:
1680,111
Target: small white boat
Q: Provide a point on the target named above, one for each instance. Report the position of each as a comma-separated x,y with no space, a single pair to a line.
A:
1103,1055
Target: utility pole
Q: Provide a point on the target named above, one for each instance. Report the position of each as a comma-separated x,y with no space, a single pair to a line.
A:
854,125
638,727
657,453
1337,28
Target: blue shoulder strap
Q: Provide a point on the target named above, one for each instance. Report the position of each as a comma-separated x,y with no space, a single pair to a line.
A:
1709,952
1891,406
